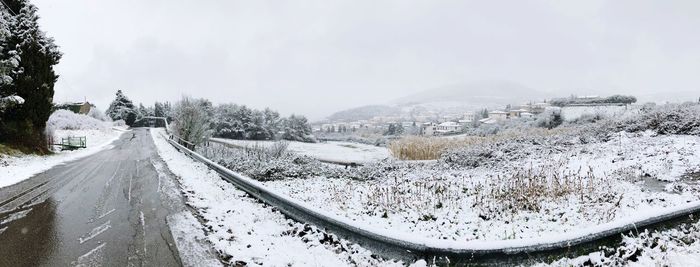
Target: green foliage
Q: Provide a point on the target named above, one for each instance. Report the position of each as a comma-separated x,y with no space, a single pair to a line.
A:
28,56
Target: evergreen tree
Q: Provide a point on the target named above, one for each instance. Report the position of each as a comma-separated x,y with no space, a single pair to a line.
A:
297,128
143,112
399,129
9,59
272,122
158,110
27,57
122,109
391,129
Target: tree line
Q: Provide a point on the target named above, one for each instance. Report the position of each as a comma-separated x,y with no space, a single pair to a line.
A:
197,119
615,99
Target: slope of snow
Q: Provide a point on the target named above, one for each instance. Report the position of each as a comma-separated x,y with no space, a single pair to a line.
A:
67,120
332,150
678,246
243,230
14,169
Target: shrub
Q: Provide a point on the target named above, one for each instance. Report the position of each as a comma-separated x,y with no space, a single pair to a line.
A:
67,120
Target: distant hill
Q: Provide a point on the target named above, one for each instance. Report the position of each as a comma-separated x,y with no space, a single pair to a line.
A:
451,99
482,93
364,113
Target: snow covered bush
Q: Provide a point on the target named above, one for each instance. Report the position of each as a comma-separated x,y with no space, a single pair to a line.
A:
678,246
297,128
550,118
192,120
98,114
9,102
67,120
262,163
275,163
665,119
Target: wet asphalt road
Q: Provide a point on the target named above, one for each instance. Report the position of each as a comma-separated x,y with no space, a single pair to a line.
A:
108,209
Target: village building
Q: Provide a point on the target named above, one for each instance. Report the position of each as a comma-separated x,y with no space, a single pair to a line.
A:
448,127
428,129
77,107
516,113
498,115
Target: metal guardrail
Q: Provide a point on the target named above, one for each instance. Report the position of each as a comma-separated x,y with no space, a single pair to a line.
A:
499,253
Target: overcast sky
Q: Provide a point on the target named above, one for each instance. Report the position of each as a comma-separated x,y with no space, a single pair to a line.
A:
317,57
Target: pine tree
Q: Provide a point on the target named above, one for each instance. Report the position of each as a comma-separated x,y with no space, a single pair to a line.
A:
122,109
391,130
158,110
9,59
27,57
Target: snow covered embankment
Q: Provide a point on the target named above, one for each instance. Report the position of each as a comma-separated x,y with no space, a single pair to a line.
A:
99,134
243,230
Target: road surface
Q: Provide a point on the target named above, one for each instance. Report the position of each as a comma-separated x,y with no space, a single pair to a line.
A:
106,209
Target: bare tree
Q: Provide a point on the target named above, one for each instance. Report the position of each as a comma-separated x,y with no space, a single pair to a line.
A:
193,120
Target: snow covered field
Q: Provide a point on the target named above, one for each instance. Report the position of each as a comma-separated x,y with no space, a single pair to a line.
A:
244,231
14,169
597,183
332,150
521,186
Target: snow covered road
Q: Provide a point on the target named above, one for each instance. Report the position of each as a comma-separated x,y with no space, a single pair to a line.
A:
112,208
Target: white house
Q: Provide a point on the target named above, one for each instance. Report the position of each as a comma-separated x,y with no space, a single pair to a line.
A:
516,113
449,127
469,117
428,129
498,115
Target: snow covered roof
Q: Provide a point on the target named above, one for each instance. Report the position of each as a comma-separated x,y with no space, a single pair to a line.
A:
449,123
497,112
519,110
487,121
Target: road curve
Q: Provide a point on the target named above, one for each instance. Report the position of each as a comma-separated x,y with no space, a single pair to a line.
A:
106,209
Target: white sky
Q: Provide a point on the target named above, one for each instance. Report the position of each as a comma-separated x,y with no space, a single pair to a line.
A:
317,57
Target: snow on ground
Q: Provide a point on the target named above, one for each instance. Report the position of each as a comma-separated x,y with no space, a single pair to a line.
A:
14,169
190,240
626,176
679,246
243,230
61,124
331,150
